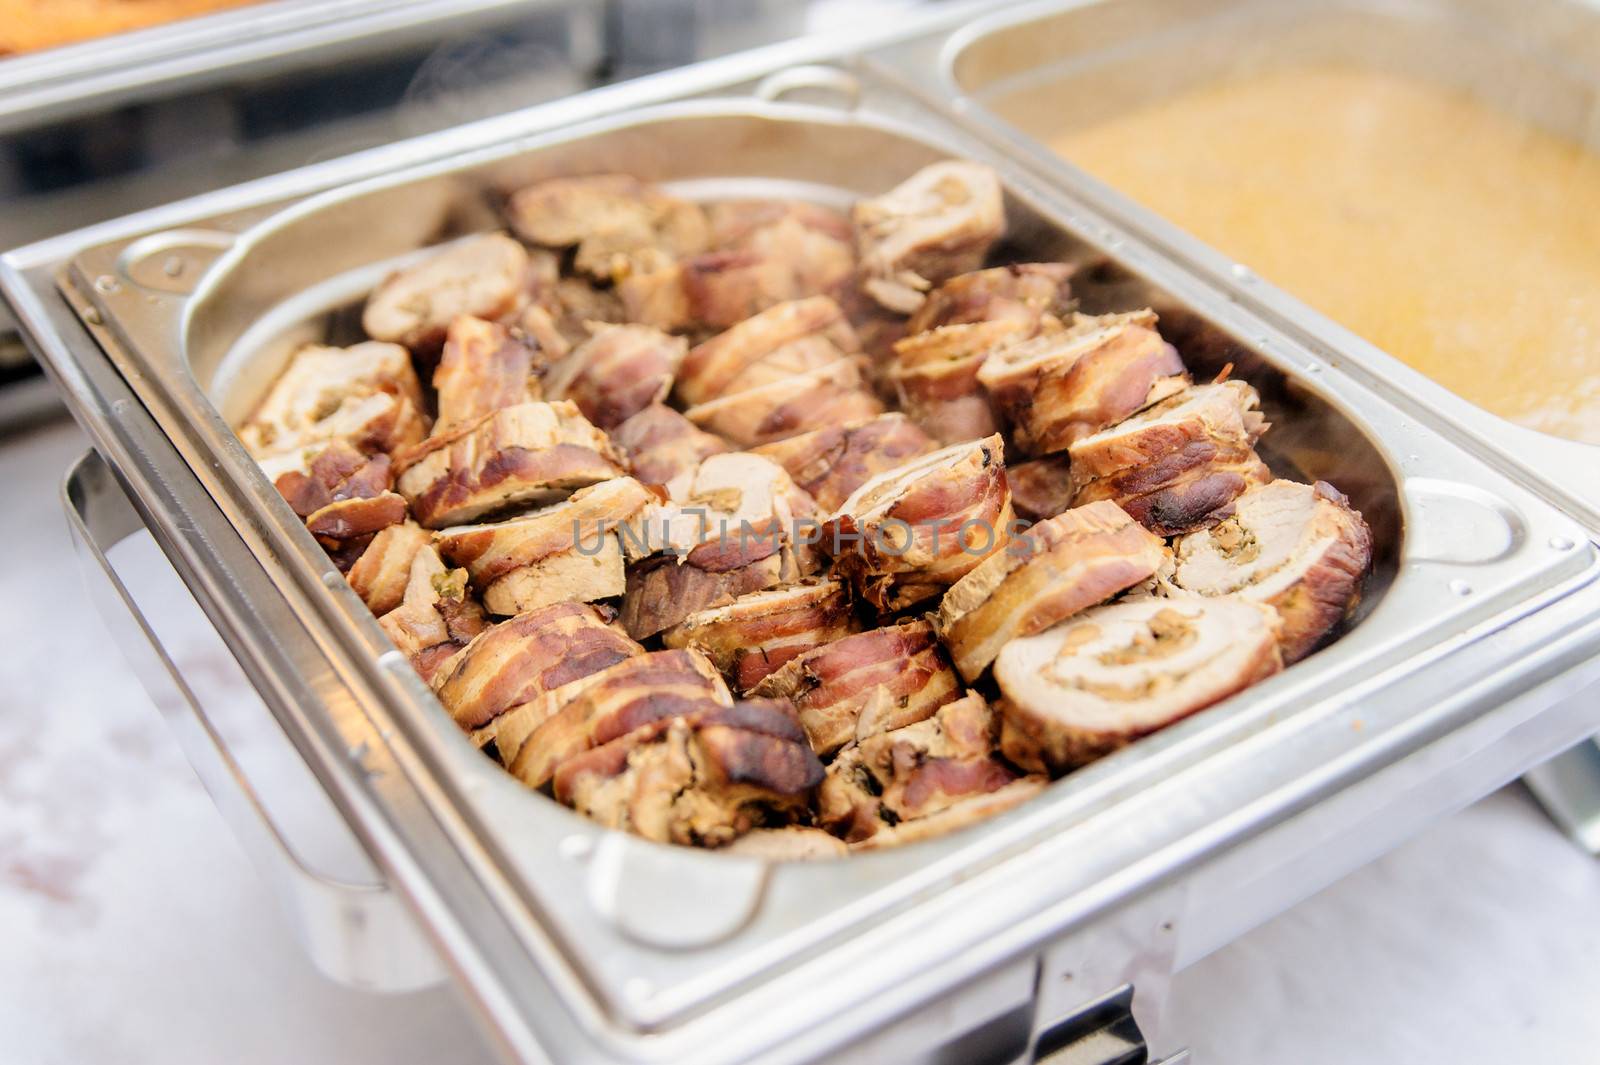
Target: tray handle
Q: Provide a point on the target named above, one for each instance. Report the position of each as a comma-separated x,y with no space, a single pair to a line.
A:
354,926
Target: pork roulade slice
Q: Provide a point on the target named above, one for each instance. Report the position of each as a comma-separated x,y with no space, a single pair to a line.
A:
1023,291
703,778
866,683
828,395
1299,548
633,694
914,772
437,615
1064,385
379,576
774,345
572,551
936,224
1040,488
367,396
528,454
665,448
484,276
833,462
1180,465
911,532
1057,568
766,252
616,373
527,656
1115,673
756,634
482,369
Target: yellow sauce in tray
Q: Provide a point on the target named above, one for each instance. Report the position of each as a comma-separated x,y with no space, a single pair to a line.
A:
1445,232
28,25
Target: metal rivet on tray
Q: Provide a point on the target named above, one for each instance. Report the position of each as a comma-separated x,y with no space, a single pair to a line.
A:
1562,543
1244,274
106,283
173,266
333,578
92,316
576,847
1460,587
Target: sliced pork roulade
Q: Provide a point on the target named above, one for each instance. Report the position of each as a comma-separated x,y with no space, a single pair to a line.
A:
938,223
1300,548
703,778
530,453
756,634
793,843
1118,672
614,220
866,683
379,576
1057,568
1180,465
911,532
632,694
618,372
1067,384
833,462
665,448
482,369
437,615
572,551
772,346
1024,291
913,772
367,396
766,252
741,527
829,395
484,276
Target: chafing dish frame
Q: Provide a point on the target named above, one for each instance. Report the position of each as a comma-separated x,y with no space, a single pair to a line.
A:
1097,857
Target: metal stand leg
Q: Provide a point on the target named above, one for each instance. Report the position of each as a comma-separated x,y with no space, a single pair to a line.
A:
1568,787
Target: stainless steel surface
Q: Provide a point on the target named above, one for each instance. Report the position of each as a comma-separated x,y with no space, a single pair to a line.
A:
539,913
1568,787
355,928
105,72
1086,59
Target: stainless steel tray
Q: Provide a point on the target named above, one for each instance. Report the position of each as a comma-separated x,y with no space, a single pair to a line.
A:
1476,657
194,53
1538,59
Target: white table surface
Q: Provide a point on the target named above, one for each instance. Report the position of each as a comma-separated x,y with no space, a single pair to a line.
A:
134,932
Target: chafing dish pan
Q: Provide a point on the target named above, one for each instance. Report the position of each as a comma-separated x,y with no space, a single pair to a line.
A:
1474,657
1031,71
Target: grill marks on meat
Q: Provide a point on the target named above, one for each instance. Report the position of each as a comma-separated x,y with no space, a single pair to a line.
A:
938,223
1063,385
367,396
766,252
482,369
618,372
1298,548
770,347
1178,466
530,453
632,694
1052,571
934,766
732,534
703,779
909,533
1118,672
665,448
436,617
531,655
571,551
757,634
832,462
867,683
483,276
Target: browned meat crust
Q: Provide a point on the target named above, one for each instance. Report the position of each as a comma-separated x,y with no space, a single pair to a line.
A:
757,633
870,682
484,276
1052,571
665,448
482,369
831,463
770,347
936,224
1040,488
1023,291
617,373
